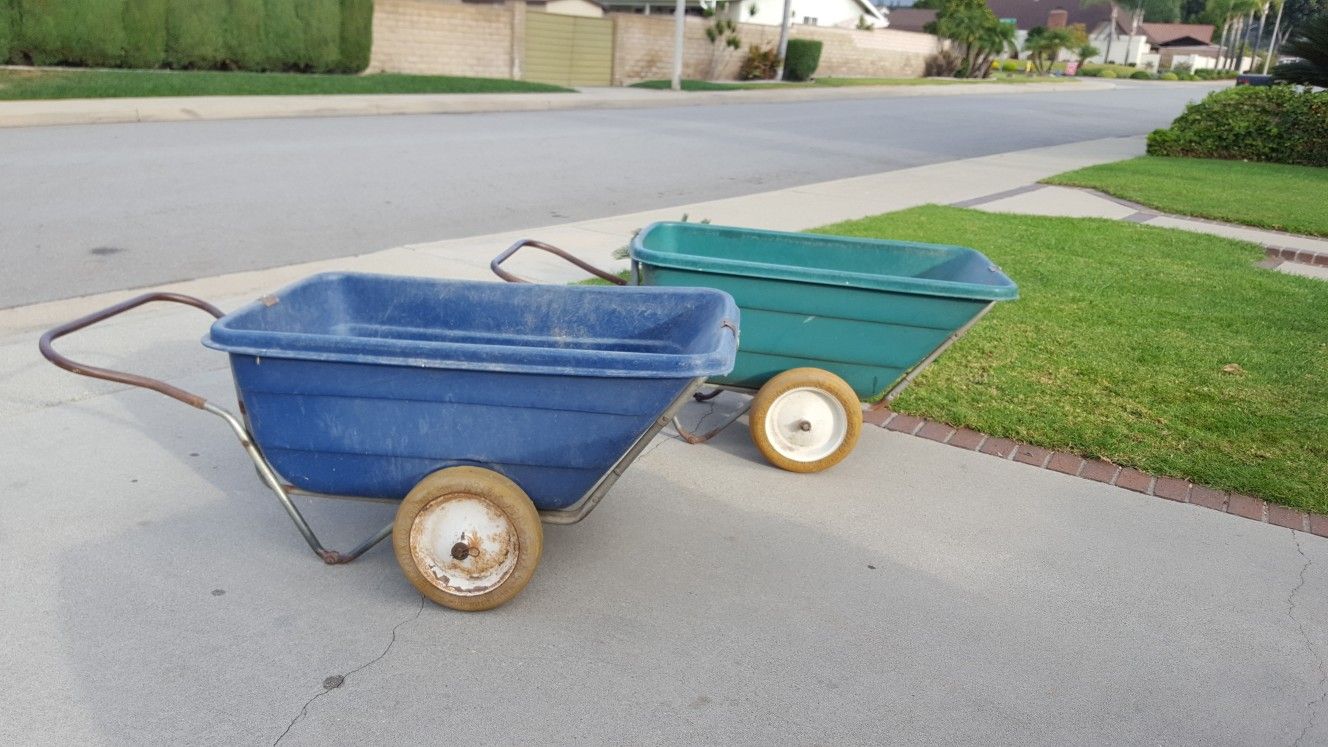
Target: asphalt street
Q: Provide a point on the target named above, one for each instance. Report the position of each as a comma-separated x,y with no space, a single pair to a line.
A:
94,208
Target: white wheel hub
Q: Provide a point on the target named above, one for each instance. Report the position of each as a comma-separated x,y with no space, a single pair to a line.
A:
463,544
806,424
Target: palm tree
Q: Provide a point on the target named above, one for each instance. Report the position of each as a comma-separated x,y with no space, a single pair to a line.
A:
1273,41
1310,44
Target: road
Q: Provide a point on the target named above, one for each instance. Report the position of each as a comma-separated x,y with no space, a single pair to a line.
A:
96,208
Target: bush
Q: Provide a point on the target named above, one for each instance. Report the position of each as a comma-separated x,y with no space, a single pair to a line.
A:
1278,124
356,35
298,35
1168,76
1107,74
196,34
761,63
943,64
1011,66
801,59
1091,72
1141,75
145,33
7,29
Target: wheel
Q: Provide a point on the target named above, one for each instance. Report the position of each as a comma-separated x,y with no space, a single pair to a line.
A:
805,420
468,538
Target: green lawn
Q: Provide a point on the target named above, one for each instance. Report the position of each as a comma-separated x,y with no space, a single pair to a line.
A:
1163,350
1267,195
706,85
79,84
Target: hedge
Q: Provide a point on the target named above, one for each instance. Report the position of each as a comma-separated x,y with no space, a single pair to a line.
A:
801,59
290,35
1278,124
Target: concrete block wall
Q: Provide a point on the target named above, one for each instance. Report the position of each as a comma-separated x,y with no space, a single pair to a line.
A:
643,49
442,37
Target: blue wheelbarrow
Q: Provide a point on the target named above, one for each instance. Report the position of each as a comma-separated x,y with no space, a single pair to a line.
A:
481,409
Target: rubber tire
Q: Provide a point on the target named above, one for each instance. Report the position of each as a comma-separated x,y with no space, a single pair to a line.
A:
495,488
795,378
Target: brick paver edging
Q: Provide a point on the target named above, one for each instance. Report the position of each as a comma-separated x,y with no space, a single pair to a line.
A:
1170,488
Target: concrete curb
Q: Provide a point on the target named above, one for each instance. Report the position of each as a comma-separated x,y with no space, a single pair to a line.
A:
203,108
1160,486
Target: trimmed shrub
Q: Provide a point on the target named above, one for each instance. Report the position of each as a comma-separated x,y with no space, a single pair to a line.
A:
7,29
1278,124
196,34
1168,76
282,34
357,35
1141,75
320,34
802,58
298,35
761,63
1011,66
1107,74
71,32
145,33
1090,72
245,47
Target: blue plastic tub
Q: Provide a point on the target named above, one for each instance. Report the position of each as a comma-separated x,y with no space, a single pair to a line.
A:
363,384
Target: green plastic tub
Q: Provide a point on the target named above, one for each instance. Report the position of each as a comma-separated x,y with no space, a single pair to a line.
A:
872,312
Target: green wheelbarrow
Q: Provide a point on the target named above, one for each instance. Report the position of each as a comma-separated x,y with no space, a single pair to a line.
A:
827,322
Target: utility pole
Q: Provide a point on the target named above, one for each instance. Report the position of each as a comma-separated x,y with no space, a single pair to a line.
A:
1273,42
783,38
679,30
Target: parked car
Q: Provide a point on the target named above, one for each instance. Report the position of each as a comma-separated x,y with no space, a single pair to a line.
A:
1253,79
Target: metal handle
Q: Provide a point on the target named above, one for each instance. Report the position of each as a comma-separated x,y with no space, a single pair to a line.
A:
551,249
189,398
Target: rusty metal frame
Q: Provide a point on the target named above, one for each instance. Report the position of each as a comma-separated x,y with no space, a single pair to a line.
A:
495,265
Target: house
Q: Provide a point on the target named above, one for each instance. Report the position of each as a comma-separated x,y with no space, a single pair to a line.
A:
836,13
911,19
1152,45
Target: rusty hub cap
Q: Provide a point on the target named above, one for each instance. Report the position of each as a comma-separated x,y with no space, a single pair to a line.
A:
463,544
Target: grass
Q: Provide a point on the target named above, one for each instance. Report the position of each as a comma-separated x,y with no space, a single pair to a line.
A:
79,84
1163,350
1266,195
706,85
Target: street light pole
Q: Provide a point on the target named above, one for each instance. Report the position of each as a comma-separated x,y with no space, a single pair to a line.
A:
783,38
679,29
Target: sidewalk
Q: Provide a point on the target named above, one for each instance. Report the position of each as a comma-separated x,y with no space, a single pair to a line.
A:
1290,253
195,108
916,593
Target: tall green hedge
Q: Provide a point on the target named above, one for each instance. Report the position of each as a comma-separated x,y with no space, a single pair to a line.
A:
297,35
6,28
801,59
1278,124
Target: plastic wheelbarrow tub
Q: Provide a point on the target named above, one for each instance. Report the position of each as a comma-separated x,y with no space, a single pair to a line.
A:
828,321
485,406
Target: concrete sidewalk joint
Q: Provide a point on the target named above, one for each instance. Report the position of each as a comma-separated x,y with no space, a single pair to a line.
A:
1159,486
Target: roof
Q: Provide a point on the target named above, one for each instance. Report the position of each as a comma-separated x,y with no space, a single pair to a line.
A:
1028,14
1178,34
910,19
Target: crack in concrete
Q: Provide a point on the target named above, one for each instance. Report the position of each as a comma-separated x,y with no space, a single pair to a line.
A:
304,709
1318,660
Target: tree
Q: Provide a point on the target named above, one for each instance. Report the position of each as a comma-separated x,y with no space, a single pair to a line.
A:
1310,44
980,35
722,32
1044,46
1134,12
1085,52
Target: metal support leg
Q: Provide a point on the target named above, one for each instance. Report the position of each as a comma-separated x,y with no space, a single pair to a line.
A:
269,476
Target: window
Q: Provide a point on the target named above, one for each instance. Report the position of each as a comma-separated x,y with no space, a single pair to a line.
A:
809,20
